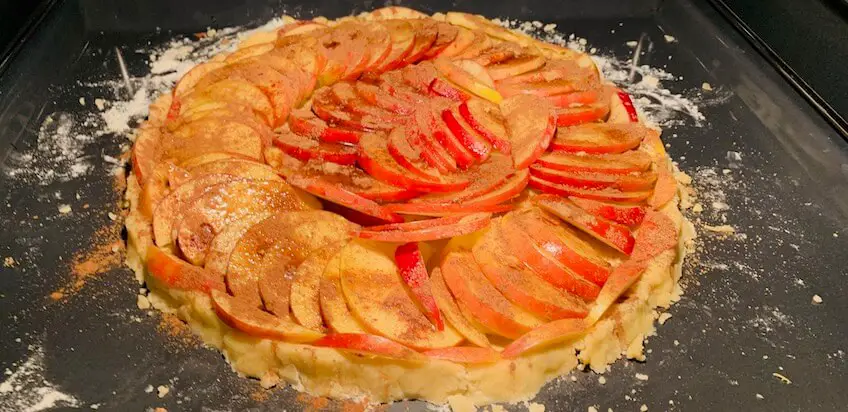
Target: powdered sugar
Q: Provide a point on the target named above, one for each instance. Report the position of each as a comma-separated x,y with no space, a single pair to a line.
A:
26,390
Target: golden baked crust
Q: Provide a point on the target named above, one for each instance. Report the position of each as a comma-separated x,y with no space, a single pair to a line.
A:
323,371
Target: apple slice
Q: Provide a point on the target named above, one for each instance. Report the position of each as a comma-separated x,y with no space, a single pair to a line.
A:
332,112
465,354
526,248
144,152
433,229
464,39
515,67
211,134
299,27
334,309
452,312
244,168
473,21
409,156
621,279
486,119
376,96
245,52
445,88
630,215
554,69
582,114
470,76
666,187
325,189
345,94
511,188
375,159
485,303
167,209
414,274
222,245
240,314
621,103
531,126
578,98
521,285
238,92
178,274
305,148
402,34
367,345
599,138
426,33
446,35
484,178
304,123
305,298
546,335
434,131
271,250
606,195
156,188
631,182
544,89
610,233
190,79
396,12
206,215
481,42
446,209
628,162
377,296
466,135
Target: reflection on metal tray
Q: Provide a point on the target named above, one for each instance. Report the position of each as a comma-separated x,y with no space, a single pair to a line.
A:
746,316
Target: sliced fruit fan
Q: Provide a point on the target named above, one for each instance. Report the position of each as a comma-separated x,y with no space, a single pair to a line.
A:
484,193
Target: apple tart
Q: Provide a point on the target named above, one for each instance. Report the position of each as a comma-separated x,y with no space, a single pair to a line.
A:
402,206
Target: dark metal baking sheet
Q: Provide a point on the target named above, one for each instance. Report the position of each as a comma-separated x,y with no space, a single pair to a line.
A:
747,312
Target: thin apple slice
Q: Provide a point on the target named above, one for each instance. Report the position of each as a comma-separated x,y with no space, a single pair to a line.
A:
156,188
299,27
144,156
334,308
305,299
610,233
376,96
178,274
554,69
414,274
477,145
485,178
446,35
599,138
409,156
578,98
486,119
628,162
190,79
546,335
206,215
510,189
465,354
622,109
489,202
305,148
631,182
621,279
531,124
345,94
211,134
464,39
435,133
380,45
481,42
304,123
526,248
519,284
277,245
666,187
453,313
402,34
396,12
630,215
471,76
426,33
582,114
167,209
243,168
375,159
222,245
332,112
544,89
376,294
606,195
446,209
367,345
473,21
443,87
236,91
500,52
485,303
515,67
325,189
241,315
443,228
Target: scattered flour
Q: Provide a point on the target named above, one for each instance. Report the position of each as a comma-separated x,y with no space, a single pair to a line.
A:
26,390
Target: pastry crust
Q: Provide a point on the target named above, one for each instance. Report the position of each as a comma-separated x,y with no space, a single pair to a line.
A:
333,373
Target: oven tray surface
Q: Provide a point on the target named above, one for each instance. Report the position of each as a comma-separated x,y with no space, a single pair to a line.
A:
763,161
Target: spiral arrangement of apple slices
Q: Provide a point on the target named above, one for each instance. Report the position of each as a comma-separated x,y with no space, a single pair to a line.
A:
476,183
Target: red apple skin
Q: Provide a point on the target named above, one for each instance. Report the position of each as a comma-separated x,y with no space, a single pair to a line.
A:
369,345
491,129
629,162
547,334
179,274
587,180
531,124
610,233
607,195
242,315
666,187
628,105
414,273
630,215
478,148
407,232
333,193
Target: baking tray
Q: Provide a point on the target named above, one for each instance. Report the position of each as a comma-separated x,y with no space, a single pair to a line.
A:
747,313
